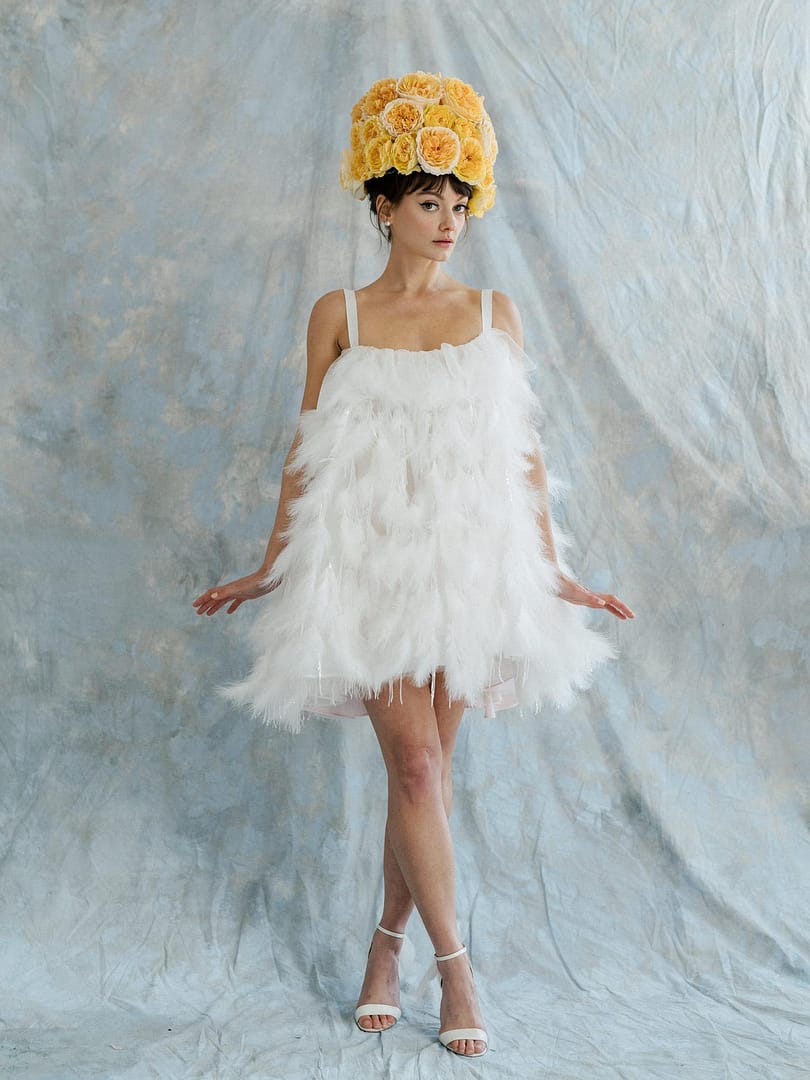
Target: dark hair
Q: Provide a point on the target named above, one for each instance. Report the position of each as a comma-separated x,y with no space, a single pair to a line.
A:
395,185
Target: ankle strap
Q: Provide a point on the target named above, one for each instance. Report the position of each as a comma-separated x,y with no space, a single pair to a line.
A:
391,933
452,955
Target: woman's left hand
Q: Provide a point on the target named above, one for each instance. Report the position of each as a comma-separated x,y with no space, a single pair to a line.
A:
574,593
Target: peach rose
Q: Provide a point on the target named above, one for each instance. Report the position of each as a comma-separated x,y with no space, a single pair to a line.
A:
357,109
420,87
400,116
383,91
471,162
403,154
437,149
378,155
461,97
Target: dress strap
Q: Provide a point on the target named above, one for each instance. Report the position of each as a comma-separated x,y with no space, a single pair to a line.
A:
351,316
486,310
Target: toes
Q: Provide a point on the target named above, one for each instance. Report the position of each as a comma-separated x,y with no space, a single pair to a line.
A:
468,1046
376,1022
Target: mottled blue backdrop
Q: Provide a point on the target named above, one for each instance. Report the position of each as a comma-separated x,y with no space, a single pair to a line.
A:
184,894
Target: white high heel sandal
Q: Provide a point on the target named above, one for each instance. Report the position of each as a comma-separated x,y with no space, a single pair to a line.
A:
377,1009
446,1037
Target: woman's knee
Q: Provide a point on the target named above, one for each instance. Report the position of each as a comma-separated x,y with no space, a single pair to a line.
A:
416,769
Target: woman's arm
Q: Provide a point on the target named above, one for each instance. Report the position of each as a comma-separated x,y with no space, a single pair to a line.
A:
506,316
325,321
322,351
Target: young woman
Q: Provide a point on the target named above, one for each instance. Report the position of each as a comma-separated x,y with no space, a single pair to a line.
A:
413,541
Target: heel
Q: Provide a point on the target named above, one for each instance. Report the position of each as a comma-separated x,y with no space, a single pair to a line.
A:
454,1034
376,1008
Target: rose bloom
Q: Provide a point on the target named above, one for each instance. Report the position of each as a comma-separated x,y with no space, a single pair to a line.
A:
420,87
347,180
488,138
439,116
437,149
378,155
356,135
399,117
359,165
373,129
403,155
461,97
481,200
383,91
465,129
471,163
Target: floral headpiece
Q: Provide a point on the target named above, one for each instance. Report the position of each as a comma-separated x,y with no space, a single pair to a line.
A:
422,121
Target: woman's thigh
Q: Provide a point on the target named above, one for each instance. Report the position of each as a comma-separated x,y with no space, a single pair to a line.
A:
407,718
448,715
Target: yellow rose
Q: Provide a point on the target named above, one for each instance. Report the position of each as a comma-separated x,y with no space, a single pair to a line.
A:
373,129
437,149
357,109
359,165
347,180
488,138
481,200
471,162
465,129
403,154
378,155
399,117
383,91
438,116
461,97
420,87
356,136
487,174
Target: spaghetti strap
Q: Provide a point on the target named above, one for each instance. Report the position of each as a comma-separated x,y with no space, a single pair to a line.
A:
351,316
486,310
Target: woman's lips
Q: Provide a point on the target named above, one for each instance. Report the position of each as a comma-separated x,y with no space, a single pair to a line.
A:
447,243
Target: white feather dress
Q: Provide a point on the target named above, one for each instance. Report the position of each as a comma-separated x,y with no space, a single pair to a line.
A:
415,544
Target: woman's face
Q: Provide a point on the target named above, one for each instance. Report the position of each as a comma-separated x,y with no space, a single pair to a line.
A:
428,222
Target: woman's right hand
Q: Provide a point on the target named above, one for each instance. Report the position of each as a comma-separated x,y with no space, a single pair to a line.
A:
244,588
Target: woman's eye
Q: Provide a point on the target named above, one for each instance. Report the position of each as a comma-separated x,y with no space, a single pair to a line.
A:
430,202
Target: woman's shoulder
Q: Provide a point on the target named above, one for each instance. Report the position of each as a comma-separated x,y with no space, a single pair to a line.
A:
328,314
505,316
329,303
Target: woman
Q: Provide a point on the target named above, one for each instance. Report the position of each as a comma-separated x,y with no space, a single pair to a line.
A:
413,541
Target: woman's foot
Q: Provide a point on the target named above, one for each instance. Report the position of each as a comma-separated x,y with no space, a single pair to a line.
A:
459,1008
381,982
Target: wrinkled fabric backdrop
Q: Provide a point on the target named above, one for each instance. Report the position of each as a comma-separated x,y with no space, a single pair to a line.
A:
184,893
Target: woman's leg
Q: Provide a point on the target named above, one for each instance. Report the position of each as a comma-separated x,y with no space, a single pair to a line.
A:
381,977
398,902
419,836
